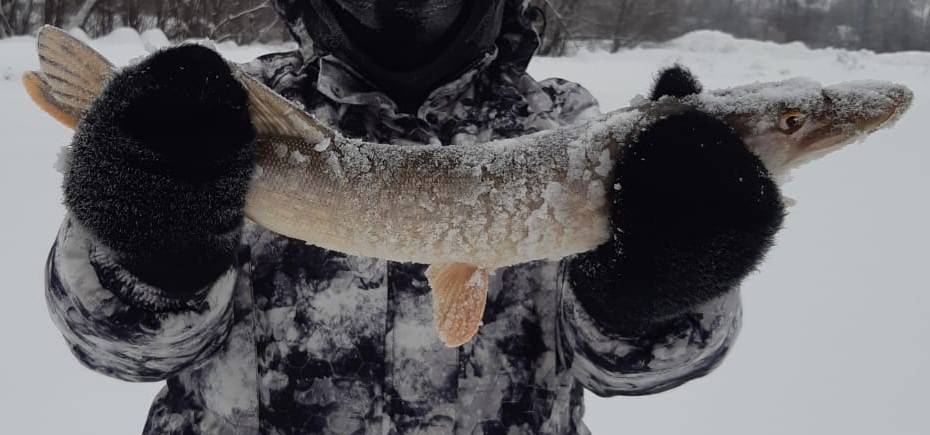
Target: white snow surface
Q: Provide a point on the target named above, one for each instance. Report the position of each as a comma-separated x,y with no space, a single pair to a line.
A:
834,335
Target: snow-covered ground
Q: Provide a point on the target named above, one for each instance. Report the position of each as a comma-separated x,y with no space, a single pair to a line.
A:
836,329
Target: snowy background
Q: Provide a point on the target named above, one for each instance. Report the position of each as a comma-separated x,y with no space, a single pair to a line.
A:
835,339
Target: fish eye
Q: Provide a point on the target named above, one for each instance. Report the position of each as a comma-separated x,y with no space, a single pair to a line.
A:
791,121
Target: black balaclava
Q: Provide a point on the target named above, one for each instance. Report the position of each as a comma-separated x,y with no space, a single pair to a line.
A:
405,47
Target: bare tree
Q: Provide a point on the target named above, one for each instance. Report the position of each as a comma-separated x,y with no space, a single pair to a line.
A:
609,24
80,17
559,23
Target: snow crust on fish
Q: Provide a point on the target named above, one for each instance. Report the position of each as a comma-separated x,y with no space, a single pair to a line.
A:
495,204
864,98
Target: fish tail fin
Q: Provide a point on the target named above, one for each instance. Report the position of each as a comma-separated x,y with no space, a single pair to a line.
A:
460,292
42,94
71,75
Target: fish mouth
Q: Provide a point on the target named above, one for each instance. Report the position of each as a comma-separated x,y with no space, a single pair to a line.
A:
853,110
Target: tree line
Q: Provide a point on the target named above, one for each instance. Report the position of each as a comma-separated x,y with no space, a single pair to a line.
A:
242,21
880,25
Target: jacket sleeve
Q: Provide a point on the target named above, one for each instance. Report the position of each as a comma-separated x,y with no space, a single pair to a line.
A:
661,356
122,327
693,213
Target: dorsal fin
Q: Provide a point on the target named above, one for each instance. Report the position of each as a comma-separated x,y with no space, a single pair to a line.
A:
71,75
274,115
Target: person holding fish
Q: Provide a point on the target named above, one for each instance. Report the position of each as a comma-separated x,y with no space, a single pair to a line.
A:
155,274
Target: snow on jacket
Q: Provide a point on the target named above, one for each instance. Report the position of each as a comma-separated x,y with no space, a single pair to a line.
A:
300,340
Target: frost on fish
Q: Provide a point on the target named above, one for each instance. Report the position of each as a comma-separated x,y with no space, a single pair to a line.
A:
834,116
505,202
540,196
847,101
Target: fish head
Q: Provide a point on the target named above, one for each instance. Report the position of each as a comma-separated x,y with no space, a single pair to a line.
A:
789,123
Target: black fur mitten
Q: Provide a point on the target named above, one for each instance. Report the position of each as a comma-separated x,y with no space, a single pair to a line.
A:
160,166
695,213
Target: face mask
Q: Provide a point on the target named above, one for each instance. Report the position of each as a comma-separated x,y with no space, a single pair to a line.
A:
406,47
399,34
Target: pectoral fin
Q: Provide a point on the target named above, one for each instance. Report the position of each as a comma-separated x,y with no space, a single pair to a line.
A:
460,292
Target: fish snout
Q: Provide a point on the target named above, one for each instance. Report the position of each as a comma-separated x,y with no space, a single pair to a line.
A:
901,95
866,106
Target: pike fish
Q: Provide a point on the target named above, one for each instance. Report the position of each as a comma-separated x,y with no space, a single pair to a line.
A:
468,210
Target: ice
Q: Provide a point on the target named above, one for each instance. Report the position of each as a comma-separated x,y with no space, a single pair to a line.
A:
280,150
322,145
64,159
298,158
835,320
803,94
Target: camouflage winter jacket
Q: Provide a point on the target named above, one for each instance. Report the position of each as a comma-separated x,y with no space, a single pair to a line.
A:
300,340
